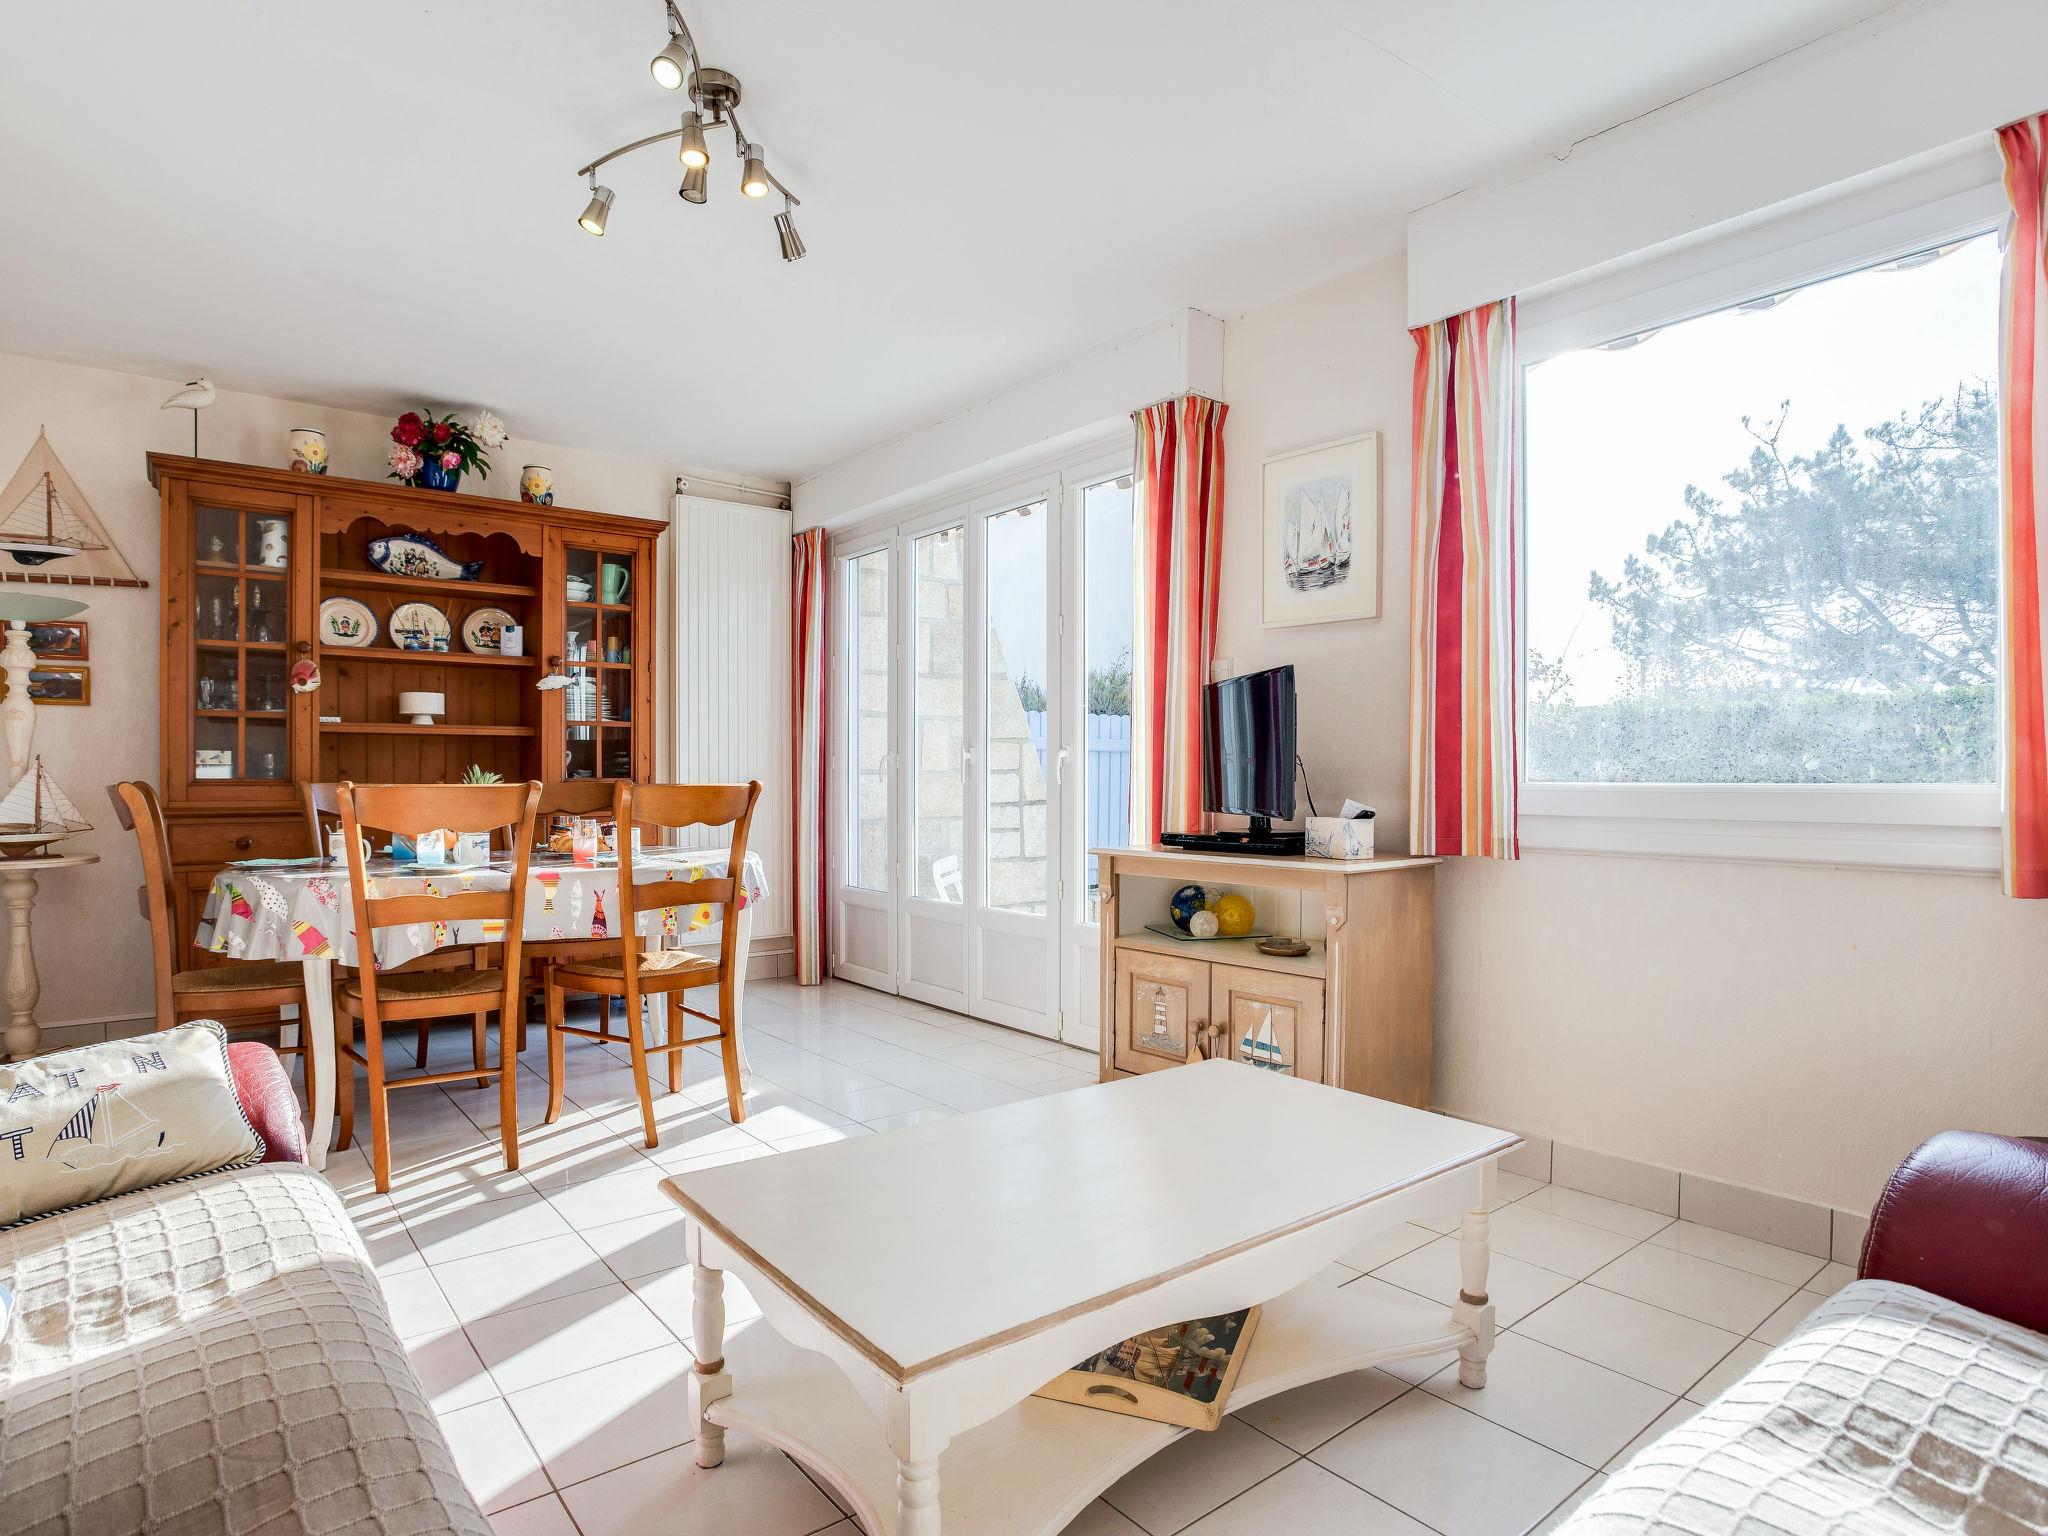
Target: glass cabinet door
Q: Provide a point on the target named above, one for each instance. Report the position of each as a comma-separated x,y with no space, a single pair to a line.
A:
601,602
242,563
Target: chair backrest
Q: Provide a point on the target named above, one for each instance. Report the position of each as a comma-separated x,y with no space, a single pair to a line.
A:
573,797
137,808
323,810
678,806
414,808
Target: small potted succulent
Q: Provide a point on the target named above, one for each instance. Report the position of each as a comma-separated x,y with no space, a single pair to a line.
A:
436,452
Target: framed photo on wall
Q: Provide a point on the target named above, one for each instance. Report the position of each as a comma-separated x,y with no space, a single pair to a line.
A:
60,685
58,640
1320,555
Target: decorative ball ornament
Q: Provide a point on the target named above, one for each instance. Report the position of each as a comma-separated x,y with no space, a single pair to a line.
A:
1187,901
1203,925
1234,914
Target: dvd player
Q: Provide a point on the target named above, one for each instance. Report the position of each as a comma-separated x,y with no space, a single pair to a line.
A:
1259,840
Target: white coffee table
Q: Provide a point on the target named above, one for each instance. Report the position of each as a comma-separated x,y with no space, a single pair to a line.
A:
944,1272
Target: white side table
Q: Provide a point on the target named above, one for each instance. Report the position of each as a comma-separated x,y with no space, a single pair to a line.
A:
24,988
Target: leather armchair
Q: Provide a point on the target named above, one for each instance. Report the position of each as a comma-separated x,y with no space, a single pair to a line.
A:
1966,1217
265,1089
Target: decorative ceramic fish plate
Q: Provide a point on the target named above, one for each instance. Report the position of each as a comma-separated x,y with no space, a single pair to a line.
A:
414,554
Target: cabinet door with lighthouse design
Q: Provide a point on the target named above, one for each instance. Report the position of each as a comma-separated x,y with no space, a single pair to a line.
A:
1162,1010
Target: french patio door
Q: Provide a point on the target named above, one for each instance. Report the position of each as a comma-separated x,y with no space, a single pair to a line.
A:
981,656
980,929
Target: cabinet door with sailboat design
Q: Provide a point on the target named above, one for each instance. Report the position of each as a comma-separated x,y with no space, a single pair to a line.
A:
234,628
1270,1019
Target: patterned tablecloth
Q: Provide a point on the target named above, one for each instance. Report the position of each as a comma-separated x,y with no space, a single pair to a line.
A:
290,910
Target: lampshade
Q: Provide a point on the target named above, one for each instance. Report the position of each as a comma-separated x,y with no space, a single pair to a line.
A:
422,707
18,607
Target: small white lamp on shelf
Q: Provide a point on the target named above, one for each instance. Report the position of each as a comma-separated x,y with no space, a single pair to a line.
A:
421,708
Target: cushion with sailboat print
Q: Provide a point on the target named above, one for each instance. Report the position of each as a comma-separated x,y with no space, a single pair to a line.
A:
82,1126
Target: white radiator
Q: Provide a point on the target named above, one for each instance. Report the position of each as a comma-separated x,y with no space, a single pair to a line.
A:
732,722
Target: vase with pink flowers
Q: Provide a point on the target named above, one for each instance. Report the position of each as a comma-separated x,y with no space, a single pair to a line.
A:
436,451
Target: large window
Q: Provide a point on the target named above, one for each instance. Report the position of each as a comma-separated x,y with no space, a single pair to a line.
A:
1762,543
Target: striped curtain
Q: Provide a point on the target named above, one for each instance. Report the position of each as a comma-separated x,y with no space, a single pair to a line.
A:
808,756
1178,532
1463,753
2023,450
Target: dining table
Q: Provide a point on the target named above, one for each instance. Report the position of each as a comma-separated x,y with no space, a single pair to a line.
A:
302,910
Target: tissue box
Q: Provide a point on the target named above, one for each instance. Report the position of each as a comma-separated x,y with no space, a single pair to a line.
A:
1339,837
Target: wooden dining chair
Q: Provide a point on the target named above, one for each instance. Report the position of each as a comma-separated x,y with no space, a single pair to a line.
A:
231,990
322,804
632,974
560,802
376,997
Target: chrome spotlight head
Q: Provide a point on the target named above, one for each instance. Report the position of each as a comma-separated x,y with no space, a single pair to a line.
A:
754,179
599,210
671,66
792,242
696,185
691,150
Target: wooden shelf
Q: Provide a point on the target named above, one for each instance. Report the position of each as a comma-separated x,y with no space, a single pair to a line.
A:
226,569
208,643
1030,1469
429,658
1245,952
384,581
403,728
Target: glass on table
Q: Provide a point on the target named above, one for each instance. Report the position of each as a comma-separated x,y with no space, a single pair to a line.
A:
583,841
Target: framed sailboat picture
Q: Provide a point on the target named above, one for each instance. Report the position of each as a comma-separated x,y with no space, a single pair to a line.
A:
1321,532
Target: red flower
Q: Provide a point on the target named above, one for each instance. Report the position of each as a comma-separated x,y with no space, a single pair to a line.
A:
410,430
443,430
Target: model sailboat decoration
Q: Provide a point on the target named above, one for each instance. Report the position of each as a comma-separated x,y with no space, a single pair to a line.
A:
45,521
35,814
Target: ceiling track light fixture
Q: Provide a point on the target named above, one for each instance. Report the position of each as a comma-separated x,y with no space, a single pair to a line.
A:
714,103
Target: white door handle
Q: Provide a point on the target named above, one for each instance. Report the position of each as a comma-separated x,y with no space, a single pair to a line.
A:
1059,768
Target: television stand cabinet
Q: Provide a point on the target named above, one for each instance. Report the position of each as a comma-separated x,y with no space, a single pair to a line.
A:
1357,1011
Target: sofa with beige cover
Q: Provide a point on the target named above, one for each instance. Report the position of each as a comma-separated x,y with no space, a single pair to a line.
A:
215,1355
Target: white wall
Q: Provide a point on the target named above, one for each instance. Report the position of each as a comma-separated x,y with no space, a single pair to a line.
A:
1791,1028
1324,364
1795,1029
1031,423
1910,80
91,944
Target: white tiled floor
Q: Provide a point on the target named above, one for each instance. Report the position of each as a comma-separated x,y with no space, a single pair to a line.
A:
547,1311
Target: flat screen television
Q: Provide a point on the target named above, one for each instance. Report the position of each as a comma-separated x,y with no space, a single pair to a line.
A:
1248,747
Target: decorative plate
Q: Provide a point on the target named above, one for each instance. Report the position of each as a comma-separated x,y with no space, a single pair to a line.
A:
481,629
346,622
419,627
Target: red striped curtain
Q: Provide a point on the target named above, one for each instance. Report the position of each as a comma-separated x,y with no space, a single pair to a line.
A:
1178,524
1464,756
2023,449
808,757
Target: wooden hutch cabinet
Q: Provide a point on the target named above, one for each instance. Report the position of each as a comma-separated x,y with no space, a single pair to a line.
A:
249,555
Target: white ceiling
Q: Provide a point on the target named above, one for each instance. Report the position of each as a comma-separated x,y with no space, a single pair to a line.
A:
371,203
